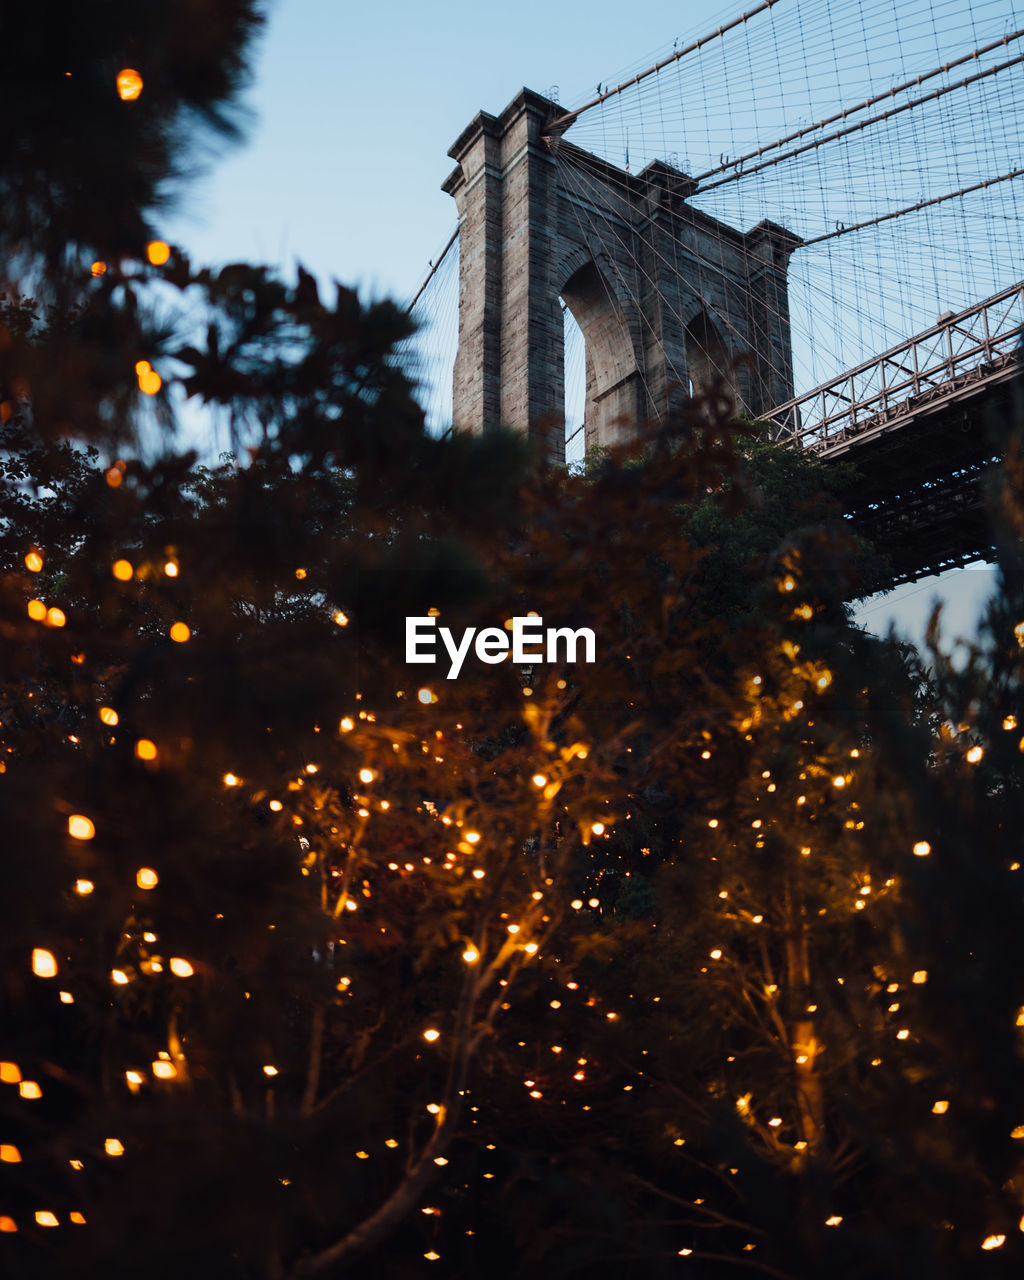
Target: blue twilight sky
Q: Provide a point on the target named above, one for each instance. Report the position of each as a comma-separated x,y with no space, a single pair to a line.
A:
354,107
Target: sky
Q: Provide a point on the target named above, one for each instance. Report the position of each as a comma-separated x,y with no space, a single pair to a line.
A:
352,110
355,106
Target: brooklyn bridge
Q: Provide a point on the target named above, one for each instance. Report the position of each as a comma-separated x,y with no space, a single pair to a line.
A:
818,206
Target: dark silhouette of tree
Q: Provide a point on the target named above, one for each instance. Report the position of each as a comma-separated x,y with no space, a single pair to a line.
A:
316,962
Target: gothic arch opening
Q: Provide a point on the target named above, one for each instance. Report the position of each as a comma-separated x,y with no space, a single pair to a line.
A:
575,387
611,376
706,356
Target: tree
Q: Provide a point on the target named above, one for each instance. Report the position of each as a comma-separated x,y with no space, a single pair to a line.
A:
317,963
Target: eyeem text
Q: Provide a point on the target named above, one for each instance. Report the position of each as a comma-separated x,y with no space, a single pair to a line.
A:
528,641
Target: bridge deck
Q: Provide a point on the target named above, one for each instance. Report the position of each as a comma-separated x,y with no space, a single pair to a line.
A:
919,422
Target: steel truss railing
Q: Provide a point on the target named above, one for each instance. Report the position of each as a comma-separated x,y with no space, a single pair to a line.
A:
960,352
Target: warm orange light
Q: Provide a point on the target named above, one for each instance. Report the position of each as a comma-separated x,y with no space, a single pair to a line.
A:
181,968
145,749
122,569
9,1154
113,1147
98,268
164,1070
171,568
146,878
44,963
55,618
150,383
108,716
9,1073
365,775
34,560
81,827
29,1089
119,977
36,610
129,84
84,887
269,1070
141,367
158,251
431,1034
77,1218
179,632
922,849
45,1218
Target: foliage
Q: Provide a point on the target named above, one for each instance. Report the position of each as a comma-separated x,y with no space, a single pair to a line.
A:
315,962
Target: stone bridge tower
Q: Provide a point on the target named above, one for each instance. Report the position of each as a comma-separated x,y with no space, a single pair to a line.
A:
663,293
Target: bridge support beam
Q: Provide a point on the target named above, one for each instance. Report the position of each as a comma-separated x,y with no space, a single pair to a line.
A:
665,295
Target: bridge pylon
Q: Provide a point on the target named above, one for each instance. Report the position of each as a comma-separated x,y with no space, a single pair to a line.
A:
666,296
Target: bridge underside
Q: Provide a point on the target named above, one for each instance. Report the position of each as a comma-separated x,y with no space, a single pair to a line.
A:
920,496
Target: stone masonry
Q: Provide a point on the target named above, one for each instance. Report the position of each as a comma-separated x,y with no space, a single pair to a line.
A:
664,294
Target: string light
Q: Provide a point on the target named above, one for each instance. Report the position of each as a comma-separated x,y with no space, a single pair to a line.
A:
129,84
44,963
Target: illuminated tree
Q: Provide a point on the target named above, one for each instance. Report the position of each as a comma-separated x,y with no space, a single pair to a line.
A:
317,962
